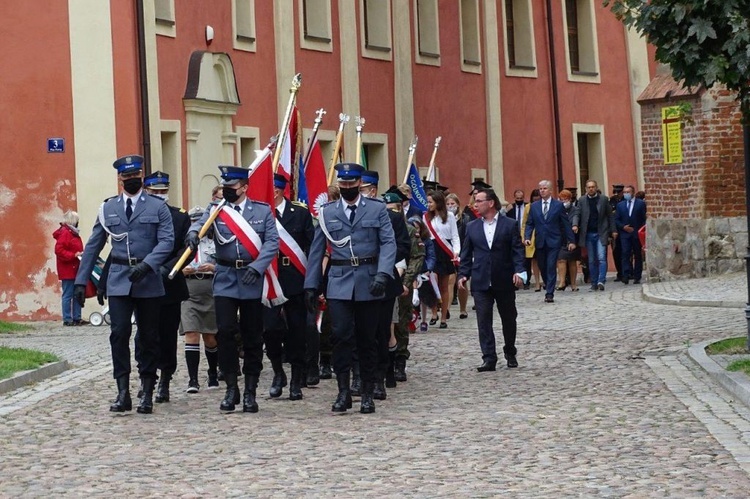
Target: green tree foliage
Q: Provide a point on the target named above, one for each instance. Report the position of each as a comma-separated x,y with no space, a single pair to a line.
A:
704,42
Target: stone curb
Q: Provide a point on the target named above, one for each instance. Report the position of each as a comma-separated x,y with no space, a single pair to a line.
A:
33,376
687,302
735,383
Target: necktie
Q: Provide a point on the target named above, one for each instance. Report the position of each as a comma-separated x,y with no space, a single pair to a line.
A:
278,213
351,213
129,209
237,209
545,207
629,203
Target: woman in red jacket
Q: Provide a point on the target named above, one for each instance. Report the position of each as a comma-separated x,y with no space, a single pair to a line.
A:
68,248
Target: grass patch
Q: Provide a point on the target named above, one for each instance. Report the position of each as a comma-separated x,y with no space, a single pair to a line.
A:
741,366
13,360
12,327
729,346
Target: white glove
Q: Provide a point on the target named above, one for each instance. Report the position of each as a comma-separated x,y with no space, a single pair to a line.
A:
415,298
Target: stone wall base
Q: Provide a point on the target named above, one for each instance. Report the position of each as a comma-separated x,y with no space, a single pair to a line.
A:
687,248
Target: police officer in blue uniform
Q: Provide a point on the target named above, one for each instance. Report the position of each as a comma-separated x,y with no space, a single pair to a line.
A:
142,238
363,253
175,290
285,325
238,285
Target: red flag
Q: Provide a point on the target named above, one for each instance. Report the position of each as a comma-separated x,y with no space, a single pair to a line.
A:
315,178
290,153
260,177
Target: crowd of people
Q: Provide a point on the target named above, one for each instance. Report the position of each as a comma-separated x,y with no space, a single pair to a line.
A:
337,296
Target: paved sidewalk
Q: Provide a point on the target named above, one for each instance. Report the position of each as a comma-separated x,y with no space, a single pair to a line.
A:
606,403
724,291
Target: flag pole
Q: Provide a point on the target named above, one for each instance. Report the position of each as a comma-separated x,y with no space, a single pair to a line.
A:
206,226
360,122
431,169
318,120
296,83
343,120
412,151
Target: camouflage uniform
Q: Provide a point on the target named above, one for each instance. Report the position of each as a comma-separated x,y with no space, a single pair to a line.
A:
405,307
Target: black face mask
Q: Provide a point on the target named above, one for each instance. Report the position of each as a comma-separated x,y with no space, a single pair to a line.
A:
230,194
519,203
349,193
132,185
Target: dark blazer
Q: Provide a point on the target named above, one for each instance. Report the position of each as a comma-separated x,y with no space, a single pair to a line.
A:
492,266
403,250
176,290
297,221
636,220
605,225
413,211
550,232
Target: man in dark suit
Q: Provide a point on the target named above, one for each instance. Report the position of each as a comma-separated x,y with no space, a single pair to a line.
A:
175,290
142,237
548,217
595,225
492,256
629,218
289,332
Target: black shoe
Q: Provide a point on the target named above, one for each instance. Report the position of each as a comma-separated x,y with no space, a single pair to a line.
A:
512,362
69,323
367,406
193,386
549,299
232,395
636,281
312,377
526,287
626,280
400,373
248,400
220,375
618,278
390,372
278,383
356,388
486,366
378,392
295,386
213,380
147,405
344,398
162,391
325,371
123,401
600,286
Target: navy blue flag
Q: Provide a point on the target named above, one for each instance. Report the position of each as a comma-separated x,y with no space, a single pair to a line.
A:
302,186
418,195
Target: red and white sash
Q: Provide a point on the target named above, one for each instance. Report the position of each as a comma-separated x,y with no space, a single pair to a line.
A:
443,243
243,231
290,249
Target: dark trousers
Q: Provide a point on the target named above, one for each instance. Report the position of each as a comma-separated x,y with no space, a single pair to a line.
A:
546,258
169,325
147,311
312,341
284,330
362,336
631,252
617,256
251,331
506,307
405,309
325,344
385,319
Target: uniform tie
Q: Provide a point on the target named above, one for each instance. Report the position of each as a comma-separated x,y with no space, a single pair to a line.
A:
545,208
129,209
278,213
352,208
237,209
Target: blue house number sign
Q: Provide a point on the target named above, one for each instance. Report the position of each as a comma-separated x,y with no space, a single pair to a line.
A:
56,144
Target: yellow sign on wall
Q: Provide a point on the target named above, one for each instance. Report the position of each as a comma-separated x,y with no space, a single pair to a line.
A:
671,127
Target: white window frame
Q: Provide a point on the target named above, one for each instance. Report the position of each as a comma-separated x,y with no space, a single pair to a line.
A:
174,128
470,66
525,19
385,52
315,42
246,132
590,128
245,41
430,59
165,26
588,43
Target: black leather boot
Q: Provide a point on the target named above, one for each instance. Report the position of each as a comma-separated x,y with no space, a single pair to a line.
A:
390,374
162,391
295,386
400,364
147,404
279,379
378,392
312,377
248,400
344,399
325,370
232,396
368,404
123,402
356,380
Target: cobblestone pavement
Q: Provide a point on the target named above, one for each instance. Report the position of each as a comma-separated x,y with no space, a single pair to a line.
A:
604,403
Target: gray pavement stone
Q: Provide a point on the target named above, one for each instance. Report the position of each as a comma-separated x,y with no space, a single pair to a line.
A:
605,403
722,291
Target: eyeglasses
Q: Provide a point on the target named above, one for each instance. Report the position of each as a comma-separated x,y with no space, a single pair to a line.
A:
480,200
